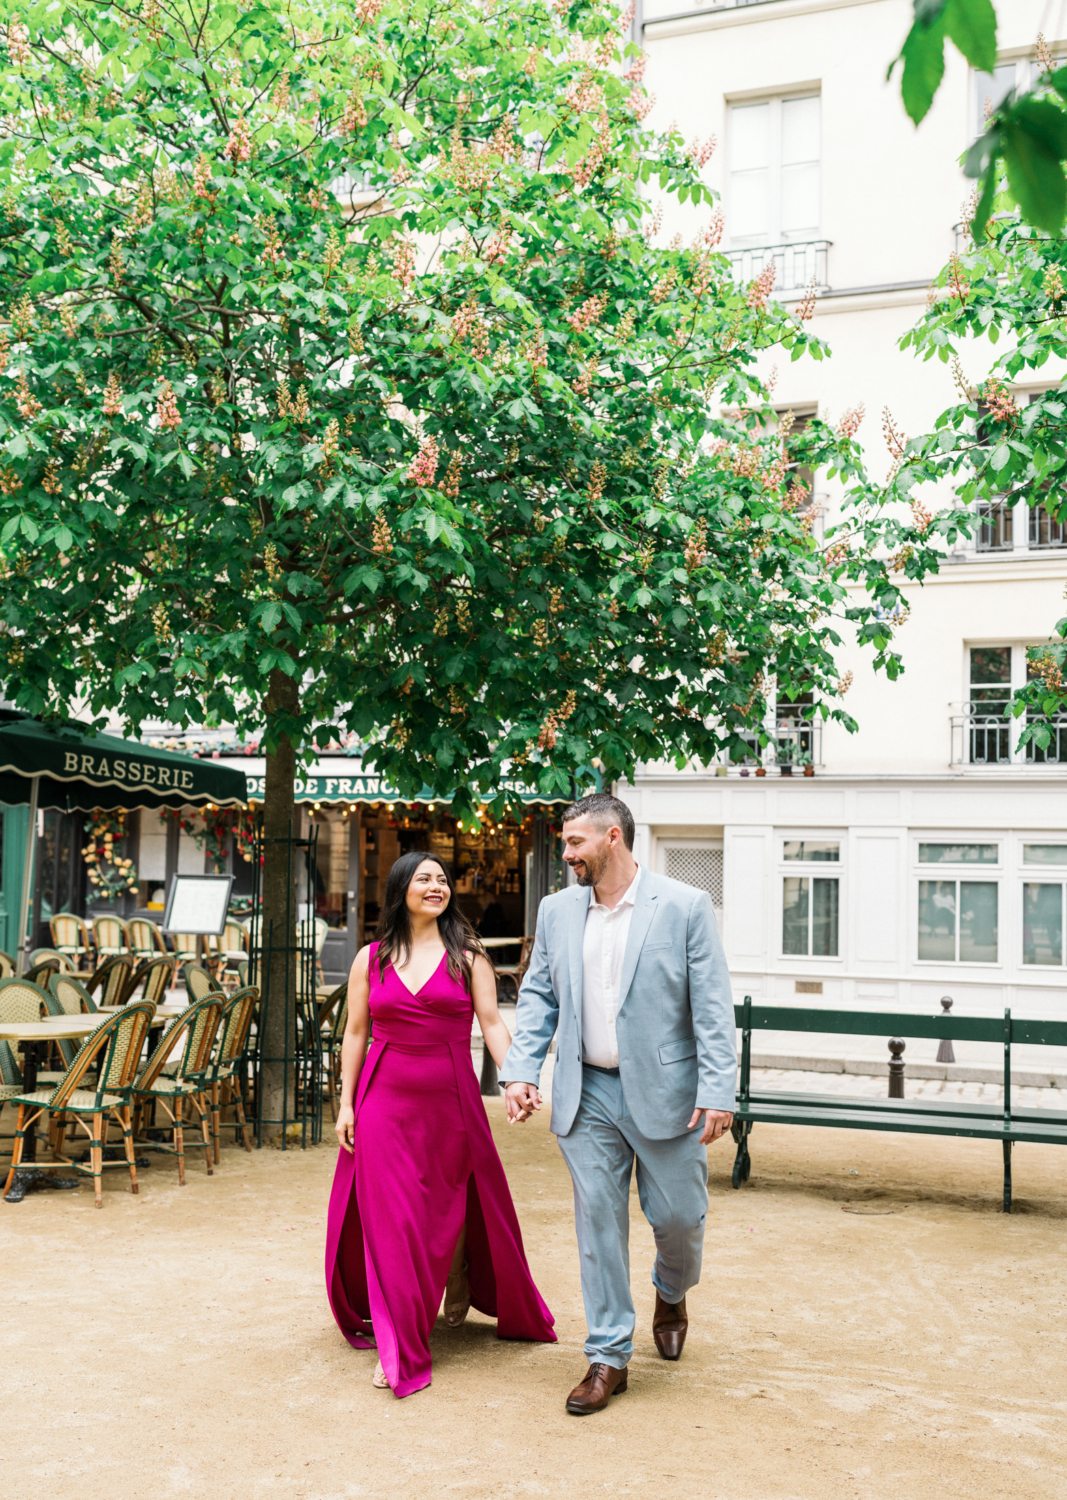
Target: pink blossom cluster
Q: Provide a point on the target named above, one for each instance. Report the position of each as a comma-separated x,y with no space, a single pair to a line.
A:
368,11
354,115
584,95
18,43
423,468
921,518
772,477
497,248
590,164
806,310
849,424
713,234
239,147
113,396
27,402
696,548
636,71
201,176
167,408
536,350
582,386
404,261
652,226
641,103
761,288
381,536
548,733
589,314
836,557
1000,402
701,153
529,67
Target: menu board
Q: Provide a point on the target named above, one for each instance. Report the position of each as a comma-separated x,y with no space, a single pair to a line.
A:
197,904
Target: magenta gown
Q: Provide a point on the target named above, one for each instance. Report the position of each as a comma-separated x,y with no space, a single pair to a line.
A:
424,1161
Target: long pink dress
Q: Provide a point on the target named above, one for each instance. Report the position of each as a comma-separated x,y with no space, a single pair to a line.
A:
424,1161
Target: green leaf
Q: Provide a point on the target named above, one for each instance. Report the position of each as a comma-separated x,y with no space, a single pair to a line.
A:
923,55
1000,458
972,25
1035,174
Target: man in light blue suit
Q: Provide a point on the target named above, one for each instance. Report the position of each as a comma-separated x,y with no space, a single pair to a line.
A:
628,973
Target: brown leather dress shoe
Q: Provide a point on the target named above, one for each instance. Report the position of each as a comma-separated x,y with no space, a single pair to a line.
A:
670,1324
596,1390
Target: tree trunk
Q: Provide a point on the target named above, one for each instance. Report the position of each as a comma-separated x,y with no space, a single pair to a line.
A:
279,894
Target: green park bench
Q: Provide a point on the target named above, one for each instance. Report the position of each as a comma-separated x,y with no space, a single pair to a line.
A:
914,1116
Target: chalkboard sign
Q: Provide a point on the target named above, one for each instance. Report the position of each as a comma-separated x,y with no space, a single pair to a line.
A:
197,904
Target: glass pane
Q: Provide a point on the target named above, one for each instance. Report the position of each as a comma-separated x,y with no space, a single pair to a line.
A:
750,205
937,920
1045,854
991,664
800,130
992,87
800,200
750,137
978,921
1042,923
795,914
814,849
824,918
957,854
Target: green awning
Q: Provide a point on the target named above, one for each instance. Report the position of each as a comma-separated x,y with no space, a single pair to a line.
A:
78,770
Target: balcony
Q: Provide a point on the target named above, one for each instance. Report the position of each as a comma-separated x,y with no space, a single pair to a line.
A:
982,736
797,265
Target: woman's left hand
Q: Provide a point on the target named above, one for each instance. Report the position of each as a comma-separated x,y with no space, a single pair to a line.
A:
345,1127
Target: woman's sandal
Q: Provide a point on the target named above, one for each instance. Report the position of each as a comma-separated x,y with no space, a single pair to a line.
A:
457,1297
378,1379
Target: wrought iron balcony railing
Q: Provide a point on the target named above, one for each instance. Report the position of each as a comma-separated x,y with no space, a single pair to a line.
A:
797,265
982,736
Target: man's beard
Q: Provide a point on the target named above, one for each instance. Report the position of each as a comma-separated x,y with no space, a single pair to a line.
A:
594,868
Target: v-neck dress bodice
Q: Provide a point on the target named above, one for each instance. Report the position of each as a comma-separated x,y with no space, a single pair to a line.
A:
424,1162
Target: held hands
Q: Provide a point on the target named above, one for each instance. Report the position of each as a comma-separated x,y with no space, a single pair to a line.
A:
346,1121
716,1123
521,1100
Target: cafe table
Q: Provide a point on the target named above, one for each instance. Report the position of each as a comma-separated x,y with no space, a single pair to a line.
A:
33,1037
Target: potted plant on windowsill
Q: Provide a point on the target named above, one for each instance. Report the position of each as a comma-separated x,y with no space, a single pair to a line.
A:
804,761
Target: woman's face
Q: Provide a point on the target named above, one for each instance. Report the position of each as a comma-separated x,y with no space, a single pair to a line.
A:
428,893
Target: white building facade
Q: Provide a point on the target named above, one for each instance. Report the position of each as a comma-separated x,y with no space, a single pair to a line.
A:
927,856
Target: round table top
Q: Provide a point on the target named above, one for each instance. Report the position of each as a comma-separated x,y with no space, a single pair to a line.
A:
500,942
57,1028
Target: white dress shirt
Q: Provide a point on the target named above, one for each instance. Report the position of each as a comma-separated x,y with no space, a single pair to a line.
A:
606,931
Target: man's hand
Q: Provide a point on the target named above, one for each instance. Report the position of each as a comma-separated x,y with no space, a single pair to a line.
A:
521,1100
716,1123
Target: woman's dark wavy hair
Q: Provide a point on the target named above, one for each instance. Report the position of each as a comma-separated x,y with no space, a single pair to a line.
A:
394,924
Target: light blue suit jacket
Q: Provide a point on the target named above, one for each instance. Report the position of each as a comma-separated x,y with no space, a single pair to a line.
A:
675,1020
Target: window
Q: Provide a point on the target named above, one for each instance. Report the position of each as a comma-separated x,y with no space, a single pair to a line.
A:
774,170
958,921
1043,923
810,901
1044,531
990,690
990,89
1045,854
995,531
958,854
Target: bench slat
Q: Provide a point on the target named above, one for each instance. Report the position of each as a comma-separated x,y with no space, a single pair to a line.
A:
906,1106
910,1122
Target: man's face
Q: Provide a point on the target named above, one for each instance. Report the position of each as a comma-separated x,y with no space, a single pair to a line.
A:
587,850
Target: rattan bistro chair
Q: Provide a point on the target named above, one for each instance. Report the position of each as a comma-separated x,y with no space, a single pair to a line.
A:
338,1002
192,1034
7,965
44,962
226,1067
146,940
72,995
199,982
516,972
155,976
112,938
71,936
115,1047
108,984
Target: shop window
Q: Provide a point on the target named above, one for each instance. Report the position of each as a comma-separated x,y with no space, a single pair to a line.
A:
958,921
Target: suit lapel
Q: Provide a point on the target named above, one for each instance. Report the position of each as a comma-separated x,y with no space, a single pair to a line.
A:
644,911
576,940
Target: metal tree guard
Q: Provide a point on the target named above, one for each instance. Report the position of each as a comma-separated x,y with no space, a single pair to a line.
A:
301,1058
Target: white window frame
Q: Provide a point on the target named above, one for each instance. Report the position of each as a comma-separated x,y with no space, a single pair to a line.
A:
1041,875
1015,726
774,234
1025,78
987,874
821,869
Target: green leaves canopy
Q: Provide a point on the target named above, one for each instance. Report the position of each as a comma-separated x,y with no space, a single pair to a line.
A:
441,455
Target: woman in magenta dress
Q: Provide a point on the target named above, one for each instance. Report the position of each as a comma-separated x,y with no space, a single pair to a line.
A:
420,1205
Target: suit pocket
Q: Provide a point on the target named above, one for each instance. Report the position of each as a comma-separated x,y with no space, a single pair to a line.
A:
657,948
678,1051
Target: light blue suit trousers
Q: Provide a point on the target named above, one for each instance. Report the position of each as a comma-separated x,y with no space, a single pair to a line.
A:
600,1150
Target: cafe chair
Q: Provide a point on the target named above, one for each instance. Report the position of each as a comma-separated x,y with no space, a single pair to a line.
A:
228,949
337,1003
146,940
199,982
516,972
72,995
226,1068
155,976
10,1079
115,1049
187,950
71,937
112,938
45,962
186,1046
108,984
7,965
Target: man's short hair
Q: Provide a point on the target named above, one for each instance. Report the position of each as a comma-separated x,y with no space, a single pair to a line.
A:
604,811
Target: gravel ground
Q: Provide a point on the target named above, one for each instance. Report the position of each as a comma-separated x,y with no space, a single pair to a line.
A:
868,1325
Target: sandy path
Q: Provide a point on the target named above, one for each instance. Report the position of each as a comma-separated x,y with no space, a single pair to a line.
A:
868,1326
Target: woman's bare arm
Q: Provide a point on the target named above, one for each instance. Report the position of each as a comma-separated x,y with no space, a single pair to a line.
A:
483,993
353,1046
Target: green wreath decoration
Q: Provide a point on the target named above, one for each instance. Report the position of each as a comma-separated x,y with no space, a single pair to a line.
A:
110,874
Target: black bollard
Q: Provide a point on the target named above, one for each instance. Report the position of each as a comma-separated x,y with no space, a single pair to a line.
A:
896,1068
944,1046
490,1081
